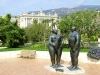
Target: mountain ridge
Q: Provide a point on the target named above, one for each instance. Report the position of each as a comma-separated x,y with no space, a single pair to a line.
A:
64,11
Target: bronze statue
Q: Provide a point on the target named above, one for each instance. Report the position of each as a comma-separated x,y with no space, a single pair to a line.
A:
55,48
74,44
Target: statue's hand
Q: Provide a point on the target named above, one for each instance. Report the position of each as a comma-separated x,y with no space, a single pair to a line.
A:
53,44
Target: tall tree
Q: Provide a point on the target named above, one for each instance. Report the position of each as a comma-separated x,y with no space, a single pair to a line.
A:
37,32
11,34
85,21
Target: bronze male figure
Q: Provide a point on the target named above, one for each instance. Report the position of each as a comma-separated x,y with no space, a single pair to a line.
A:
74,44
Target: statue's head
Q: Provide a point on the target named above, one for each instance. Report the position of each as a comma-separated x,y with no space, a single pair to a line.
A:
73,28
54,31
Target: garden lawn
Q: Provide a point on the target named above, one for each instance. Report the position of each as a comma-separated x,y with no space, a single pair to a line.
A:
37,49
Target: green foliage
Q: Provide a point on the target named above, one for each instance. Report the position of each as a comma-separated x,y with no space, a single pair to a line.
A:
85,21
39,46
10,34
37,32
15,38
37,49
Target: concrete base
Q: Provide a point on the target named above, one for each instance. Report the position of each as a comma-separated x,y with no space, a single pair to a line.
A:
65,70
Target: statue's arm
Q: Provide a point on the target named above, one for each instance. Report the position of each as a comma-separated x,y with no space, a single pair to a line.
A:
60,40
77,40
50,41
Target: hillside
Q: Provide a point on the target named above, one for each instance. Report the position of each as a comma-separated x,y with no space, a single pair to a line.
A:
65,11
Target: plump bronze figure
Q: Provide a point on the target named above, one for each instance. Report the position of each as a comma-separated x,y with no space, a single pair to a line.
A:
55,48
74,44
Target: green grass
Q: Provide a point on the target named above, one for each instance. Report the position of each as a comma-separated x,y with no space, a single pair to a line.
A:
82,49
37,47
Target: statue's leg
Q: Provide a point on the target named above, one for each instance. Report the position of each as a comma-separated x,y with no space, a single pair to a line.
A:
52,55
59,53
72,60
76,58
72,57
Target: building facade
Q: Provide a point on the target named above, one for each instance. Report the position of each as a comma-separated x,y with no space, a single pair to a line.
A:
26,19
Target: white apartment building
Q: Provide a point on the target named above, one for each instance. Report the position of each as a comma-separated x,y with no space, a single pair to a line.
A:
26,19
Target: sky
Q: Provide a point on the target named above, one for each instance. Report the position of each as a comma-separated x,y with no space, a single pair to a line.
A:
16,7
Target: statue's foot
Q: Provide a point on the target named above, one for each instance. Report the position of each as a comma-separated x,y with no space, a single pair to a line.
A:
59,68
54,66
70,67
73,68
59,65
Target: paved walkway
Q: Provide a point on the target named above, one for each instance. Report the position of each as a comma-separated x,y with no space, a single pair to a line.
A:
11,65
18,66
45,55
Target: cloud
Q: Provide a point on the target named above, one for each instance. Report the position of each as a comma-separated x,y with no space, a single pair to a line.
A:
92,2
16,6
3,2
21,3
68,3
26,3
77,3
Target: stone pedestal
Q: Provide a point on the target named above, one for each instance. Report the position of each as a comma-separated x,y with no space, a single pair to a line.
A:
65,70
